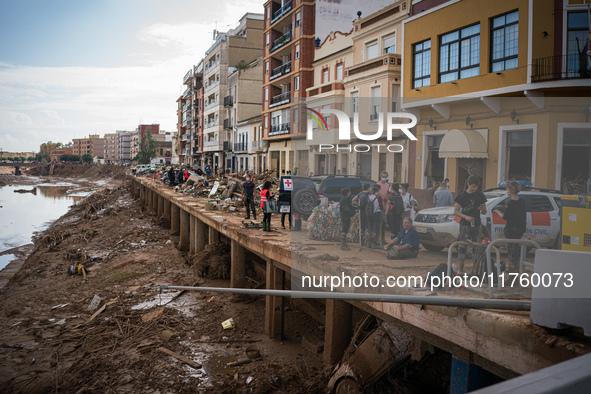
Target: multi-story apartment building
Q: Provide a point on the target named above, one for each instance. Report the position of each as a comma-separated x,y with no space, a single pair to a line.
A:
56,153
492,85
124,147
93,145
197,116
287,73
137,135
110,154
243,104
181,143
231,50
188,127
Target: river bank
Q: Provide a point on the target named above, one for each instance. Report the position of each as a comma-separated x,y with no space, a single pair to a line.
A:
88,332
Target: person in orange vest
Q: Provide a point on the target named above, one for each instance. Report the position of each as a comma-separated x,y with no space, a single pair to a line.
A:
266,197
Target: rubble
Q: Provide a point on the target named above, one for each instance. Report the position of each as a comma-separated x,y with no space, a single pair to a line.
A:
325,224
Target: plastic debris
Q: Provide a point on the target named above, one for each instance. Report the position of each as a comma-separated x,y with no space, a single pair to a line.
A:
325,224
228,324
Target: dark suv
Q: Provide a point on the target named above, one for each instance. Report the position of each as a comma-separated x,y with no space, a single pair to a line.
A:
331,185
297,192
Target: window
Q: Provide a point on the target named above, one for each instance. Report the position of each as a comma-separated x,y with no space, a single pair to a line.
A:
354,103
505,37
269,12
519,155
327,117
296,82
297,21
577,35
376,93
339,71
266,122
266,67
325,75
459,54
266,94
390,44
297,51
268,39
540,204
422,64
296,115
371,50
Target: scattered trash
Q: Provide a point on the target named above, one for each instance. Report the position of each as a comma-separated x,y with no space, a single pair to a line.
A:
228,324
252,352
211,299
249,379
168,242
59,306
94,304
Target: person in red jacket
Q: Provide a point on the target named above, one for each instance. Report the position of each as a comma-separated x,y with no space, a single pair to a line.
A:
266,197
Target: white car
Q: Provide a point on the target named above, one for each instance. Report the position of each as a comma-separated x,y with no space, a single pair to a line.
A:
439,227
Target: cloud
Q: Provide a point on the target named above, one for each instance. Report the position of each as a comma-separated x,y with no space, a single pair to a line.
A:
11,118
50,118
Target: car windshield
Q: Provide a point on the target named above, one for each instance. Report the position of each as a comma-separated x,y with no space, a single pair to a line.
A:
492,199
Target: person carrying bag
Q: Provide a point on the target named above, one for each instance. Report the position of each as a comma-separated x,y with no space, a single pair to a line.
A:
267,205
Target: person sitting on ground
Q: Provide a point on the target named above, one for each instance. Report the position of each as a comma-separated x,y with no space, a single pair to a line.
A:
406,244
347,212
443,197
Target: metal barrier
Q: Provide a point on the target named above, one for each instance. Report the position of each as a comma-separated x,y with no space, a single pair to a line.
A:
524,244
474,244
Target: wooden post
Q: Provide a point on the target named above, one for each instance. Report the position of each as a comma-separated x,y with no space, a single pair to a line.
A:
238,267
192,234
274,305
185,230
175,224
214,235
201,235
160,206
337,330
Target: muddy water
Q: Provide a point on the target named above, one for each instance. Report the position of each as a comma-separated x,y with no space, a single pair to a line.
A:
23,214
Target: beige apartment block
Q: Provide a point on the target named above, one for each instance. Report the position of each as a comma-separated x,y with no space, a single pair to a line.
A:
243,103
232,49
110,153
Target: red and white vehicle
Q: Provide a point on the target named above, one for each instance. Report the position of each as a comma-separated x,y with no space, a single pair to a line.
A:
439,227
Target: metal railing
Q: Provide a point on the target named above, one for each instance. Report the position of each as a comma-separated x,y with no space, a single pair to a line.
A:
279,129
281,41
228,101
388,60
240,146
280,99
281,11
227,123
211,86
552,68
285,68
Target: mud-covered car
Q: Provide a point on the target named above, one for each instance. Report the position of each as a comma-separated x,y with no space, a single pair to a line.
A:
376,348
299,192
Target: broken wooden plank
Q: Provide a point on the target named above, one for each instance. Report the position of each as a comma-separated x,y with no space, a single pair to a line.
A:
184,359
102,308
239,363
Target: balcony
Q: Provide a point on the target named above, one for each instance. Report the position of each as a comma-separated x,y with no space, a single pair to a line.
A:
259,145
211,66
187,122
211,86
195,150
281,11
560,67
210,105
186,92
389,61
227,124
183,152
187,107
228,102
280,71
281,99
210,124
279,129
281,41
240,146
220,40
187,76
186,137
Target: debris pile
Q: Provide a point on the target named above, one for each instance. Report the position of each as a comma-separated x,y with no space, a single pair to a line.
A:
213,262
325,224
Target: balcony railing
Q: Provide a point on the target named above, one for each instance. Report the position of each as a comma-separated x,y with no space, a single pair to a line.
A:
228,102
210,143
281,70
240,146
387,60
211,66
279,129
227,124
259,144
210,104
187,122
210,124
216,43
552,68
281,11
187,107
281,41
211,86
281,99
187,76
186,92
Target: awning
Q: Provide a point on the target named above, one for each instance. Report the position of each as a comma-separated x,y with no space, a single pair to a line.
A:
463,144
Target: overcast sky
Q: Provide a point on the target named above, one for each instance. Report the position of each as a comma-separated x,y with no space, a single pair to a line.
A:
69,68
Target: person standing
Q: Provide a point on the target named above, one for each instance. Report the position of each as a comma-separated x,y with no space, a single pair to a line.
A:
248,197
171,176
406,244
374,210
394,210
266,198
181,176
472,203
361,201
384,185
443,197
347,212
515,227
407,199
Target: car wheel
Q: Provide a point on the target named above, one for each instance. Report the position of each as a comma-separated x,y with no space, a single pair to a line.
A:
348,386
304,201
433,248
